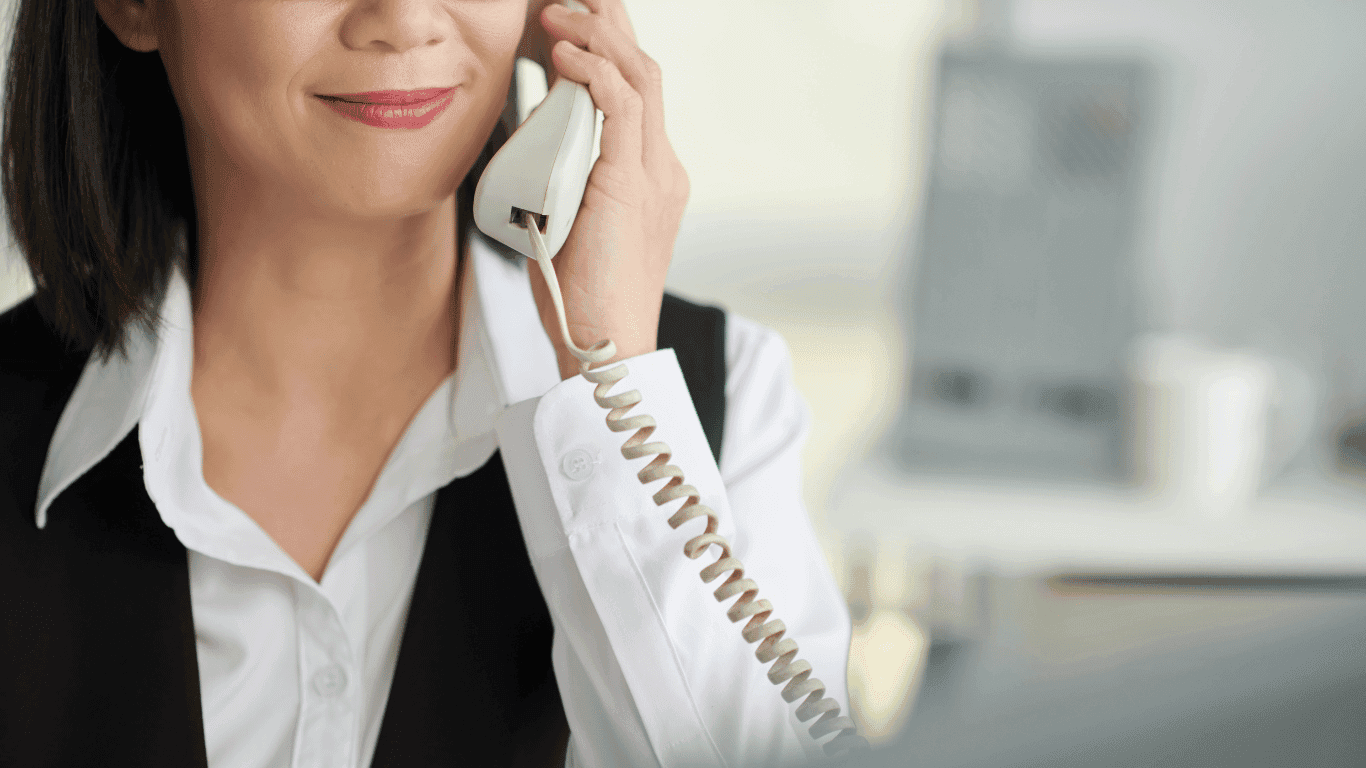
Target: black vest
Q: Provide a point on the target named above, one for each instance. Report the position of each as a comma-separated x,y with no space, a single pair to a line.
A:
97,646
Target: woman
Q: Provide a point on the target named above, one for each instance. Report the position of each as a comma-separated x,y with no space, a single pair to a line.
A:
263,425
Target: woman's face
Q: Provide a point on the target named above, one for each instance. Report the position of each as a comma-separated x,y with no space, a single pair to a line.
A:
251,77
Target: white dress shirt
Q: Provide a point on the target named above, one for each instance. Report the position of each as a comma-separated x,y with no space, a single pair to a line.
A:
295,672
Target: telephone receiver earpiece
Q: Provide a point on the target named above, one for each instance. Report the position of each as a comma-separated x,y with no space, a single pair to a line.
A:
542,169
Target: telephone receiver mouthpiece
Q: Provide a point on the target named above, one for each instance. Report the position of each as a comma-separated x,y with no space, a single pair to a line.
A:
542,169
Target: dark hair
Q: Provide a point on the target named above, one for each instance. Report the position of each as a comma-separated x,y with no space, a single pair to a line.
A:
96,176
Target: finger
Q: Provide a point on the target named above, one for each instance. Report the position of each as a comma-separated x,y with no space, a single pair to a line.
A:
615,12
620,104
601,37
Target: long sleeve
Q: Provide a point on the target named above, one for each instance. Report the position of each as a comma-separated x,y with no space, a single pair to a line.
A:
650,669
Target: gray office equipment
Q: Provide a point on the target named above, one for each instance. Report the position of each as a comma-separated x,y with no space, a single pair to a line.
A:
1023,301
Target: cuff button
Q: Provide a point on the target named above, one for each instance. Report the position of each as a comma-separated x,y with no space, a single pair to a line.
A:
577,464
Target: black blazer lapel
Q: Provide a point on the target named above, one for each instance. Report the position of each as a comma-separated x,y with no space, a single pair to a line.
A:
97,651
474,683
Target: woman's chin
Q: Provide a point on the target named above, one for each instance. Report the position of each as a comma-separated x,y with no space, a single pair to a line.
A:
396,206
379,199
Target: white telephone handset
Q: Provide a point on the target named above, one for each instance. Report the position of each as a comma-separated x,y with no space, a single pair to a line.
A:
527,199
542,169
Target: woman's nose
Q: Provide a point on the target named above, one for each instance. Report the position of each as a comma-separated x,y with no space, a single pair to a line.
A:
394,25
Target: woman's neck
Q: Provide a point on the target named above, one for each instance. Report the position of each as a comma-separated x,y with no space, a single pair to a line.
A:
324,310
315,344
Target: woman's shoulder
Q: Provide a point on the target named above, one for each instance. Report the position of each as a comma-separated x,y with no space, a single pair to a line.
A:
754,353
748,349
739,374
37,375
38,372
31,350
765,412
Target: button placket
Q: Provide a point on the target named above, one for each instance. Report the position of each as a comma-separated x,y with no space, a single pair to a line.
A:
330,681
327,718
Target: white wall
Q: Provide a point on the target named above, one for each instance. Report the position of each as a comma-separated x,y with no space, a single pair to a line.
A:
800,125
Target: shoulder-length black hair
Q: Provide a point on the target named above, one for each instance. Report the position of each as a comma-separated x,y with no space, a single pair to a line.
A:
96,176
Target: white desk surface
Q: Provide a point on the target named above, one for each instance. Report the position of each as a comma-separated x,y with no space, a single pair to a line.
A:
1302,527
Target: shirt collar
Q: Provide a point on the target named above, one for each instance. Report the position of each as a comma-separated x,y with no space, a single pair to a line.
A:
505,357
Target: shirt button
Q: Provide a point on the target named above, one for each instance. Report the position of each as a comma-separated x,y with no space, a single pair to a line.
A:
577,464
329,681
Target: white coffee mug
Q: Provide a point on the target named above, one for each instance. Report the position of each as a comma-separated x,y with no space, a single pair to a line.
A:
1210,424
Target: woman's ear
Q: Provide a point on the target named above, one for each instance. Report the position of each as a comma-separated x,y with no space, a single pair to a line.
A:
133,22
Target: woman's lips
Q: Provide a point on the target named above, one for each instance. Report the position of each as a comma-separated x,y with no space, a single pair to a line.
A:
391,109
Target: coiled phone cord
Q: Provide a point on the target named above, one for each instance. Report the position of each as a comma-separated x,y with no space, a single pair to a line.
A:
782,651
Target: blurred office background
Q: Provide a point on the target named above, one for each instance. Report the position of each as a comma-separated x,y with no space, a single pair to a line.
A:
1075,291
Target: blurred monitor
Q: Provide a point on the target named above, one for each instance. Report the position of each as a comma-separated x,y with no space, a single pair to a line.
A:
1023,302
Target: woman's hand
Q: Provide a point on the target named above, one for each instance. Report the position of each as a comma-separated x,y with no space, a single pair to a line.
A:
612,267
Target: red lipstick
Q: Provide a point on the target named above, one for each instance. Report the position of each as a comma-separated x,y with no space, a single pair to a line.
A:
391,109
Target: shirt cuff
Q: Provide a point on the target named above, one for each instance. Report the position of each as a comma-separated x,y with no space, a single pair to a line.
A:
592,482
700,695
